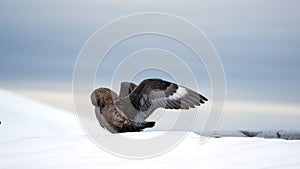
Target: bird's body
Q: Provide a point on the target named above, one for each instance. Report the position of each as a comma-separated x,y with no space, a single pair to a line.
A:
128,111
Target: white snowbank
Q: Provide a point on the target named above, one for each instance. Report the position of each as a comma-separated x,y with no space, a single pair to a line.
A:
78,152
22,117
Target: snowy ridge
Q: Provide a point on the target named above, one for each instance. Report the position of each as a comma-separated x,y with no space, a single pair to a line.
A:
274,134
22,117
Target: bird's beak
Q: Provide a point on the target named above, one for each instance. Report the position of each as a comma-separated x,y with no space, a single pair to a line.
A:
93,99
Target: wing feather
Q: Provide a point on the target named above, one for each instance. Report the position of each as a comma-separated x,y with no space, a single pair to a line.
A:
126,88
151,94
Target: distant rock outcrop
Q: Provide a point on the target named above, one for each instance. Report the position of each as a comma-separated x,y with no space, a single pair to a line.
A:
270,134
289,135
251,133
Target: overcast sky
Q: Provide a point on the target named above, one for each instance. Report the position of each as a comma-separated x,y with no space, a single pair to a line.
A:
258,43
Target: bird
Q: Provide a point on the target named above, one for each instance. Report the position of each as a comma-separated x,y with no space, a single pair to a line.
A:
128,111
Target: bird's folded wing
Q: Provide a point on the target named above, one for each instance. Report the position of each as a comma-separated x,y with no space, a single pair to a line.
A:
151,94
126,89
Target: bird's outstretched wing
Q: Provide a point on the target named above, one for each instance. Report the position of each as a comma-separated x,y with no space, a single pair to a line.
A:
151,94
126,89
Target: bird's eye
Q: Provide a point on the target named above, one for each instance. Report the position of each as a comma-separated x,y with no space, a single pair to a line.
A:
98,102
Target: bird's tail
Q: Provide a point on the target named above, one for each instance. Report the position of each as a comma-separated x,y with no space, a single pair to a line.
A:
143,125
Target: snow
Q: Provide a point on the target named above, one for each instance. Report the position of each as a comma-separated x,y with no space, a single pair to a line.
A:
36,136
78,152
22,117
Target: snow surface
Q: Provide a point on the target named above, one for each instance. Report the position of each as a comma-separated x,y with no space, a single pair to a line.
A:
35,136
22,117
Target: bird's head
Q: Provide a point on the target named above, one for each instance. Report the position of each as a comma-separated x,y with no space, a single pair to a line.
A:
102,97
